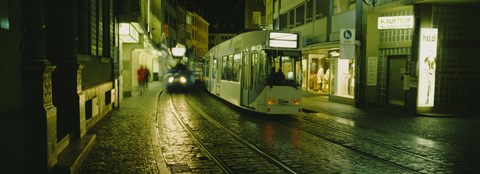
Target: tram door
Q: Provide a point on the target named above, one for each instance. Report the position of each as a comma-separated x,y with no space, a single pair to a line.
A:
245,83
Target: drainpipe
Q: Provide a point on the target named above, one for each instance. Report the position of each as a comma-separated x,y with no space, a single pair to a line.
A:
360,56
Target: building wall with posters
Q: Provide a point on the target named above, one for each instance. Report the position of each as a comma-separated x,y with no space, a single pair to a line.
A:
431,67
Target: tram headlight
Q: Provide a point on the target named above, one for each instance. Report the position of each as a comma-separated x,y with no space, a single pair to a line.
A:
296,101
170,79
183,80
271,101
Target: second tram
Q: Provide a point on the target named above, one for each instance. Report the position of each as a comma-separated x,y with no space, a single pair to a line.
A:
257,70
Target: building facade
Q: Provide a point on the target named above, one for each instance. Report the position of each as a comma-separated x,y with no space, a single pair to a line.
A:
66,65
217,38
409,54
424,56
58,68
327,70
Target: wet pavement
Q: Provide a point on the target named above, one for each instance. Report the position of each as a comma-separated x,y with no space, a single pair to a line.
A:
146,136
127,138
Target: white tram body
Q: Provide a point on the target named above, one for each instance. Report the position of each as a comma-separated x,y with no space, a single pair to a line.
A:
257,70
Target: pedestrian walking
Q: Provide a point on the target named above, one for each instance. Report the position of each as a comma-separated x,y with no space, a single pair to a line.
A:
147,77
141,79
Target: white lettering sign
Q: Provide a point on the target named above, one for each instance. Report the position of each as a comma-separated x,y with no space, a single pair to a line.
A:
395,22
427,66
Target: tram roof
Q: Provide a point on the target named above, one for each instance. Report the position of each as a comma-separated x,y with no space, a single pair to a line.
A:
249,40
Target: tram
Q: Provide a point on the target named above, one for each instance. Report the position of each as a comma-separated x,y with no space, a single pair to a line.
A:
179,76
258,71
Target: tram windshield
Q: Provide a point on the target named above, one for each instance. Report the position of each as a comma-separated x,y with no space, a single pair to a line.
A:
284,68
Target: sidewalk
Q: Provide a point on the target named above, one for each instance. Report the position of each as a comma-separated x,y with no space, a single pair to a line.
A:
453,130
127,139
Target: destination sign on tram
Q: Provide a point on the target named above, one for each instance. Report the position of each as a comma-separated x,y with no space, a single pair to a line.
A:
283,40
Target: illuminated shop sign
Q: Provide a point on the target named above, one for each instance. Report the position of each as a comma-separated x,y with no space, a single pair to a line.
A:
395,22
283,40
426,66
128,33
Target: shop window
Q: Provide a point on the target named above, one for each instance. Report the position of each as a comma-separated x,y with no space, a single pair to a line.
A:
344,79
284,21
318,73
4,22
304,73
340,6
309,14
321,8
312,74
300,15
275,24
341,76
291,22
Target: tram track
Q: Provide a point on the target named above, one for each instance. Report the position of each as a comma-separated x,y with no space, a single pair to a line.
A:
362,153
371,141
351,150
404,160
373,156
204,147
224,167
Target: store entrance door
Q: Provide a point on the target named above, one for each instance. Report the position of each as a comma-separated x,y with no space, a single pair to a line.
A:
396,69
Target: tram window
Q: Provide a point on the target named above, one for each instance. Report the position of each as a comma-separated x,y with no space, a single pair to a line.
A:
224,68
236,67
244,71
229,70
262,68
214,67
253,71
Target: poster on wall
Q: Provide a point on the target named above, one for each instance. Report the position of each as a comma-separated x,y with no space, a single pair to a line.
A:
426,60
372,69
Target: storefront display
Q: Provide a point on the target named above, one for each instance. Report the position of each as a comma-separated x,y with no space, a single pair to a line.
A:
342,76
316,80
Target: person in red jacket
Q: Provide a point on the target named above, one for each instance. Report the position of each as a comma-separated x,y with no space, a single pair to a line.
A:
141,79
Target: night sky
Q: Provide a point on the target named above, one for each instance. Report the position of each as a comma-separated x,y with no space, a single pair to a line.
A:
223,15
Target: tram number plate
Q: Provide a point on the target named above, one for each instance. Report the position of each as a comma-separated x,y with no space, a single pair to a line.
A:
283,102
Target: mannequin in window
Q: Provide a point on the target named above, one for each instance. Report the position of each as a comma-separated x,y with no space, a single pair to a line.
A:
320,76
326,80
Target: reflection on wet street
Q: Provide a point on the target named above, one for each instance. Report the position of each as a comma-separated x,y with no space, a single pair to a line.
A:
220,138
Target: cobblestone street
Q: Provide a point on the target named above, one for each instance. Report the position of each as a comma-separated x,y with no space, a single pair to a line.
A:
145,136
126,138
